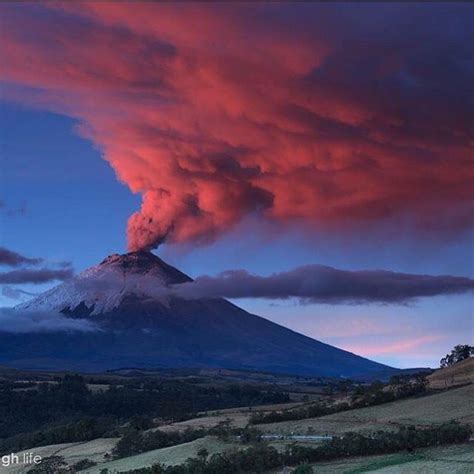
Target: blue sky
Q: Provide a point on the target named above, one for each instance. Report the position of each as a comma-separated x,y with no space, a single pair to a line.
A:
72,207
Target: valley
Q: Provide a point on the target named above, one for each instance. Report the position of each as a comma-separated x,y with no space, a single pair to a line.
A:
216,431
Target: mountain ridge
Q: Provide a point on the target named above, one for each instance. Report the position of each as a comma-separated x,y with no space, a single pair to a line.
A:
142,324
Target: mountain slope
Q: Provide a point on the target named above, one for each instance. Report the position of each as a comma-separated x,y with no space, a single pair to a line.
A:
143,325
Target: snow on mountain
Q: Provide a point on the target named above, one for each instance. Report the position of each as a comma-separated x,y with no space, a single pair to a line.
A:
142,323
103,287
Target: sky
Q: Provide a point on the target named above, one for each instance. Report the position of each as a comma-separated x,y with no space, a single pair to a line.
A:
261,137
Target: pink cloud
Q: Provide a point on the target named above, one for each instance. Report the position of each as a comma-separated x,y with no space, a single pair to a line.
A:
396,347
213,112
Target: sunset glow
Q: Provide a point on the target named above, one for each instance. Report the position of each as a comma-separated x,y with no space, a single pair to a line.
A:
256,136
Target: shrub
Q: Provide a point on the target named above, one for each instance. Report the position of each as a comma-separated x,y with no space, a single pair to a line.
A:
362,397
250,435
261,457
136,442
68,411
83,464
303,469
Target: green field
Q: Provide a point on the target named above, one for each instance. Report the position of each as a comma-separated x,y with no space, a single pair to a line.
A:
71,452
170,456
455,404
421,411
442,460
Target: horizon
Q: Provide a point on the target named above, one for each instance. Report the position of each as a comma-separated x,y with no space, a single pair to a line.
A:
264,138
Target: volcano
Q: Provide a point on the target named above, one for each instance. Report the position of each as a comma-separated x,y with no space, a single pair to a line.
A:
141,324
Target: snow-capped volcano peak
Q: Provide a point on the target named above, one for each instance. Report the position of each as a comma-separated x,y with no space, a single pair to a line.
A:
144,263
142,321
103,287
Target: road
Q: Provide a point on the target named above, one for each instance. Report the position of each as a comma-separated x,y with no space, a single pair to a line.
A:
298,437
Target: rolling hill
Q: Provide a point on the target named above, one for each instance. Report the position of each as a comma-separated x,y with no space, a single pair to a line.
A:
459,374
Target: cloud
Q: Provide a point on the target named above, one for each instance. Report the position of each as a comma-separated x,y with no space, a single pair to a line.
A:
27,275
374,349
334,116
309,284
16,321
322,284
36,276
16,293
14,259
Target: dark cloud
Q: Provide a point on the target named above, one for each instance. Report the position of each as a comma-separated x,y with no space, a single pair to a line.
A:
309,284
40,275
322,284
16,321
27,275
14,259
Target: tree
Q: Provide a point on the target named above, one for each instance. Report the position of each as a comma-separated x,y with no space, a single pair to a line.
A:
203,453
303,469
131,443
459,353
223,430
83,464
141,422
52,464
396,380
250,435
344,386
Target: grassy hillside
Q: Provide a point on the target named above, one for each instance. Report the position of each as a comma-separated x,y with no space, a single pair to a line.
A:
452,459
71,452
419,410
440,460
170,456
452,404
239,417
458,374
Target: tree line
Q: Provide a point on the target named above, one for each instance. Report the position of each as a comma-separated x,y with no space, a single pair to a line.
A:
68,411
260,457
363,396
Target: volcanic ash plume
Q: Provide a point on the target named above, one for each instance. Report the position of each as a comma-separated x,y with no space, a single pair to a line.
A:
200,217
290,111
